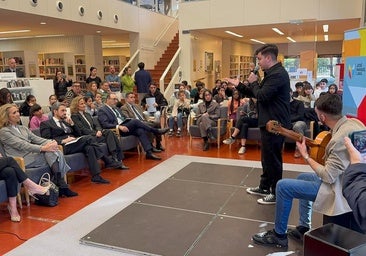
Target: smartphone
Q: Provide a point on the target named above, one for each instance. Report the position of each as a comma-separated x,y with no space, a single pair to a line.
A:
358,139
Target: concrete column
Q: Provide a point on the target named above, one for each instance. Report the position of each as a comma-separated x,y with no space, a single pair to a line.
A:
93,54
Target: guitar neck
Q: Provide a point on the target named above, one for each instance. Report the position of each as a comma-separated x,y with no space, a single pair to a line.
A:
297,136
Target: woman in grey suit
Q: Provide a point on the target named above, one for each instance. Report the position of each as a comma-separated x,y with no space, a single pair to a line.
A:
18,140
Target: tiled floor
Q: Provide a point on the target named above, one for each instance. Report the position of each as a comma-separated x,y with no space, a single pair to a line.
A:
203,209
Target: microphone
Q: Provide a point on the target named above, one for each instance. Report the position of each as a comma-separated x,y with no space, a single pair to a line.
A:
256,69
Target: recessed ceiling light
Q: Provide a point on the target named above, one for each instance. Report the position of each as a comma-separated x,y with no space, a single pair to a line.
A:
277,31
325,28
292,40
43,23
232,33
257,41
325,37
14,31
98,31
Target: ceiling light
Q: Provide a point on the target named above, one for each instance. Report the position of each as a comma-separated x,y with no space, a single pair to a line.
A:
49,36
257,41
325,37
325,28
232,33
277,31
98,31
14,31
43,23
109,41
292,40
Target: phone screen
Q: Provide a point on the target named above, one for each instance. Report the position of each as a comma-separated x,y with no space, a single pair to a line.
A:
359,141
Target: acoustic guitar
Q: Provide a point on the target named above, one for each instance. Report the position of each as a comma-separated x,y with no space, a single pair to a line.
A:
317,146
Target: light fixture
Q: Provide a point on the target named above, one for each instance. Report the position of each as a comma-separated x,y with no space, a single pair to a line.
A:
108,41
40,36
278,31
115,18
257,41
81,10
232,33
43,23
98,31
59,6
14,31
325,37
292,40
325,28
99,14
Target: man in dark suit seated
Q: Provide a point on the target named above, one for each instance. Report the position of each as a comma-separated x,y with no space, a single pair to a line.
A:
132,110
110,116
13,68
62,130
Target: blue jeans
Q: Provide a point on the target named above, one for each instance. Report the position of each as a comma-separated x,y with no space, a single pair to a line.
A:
305,188
179,121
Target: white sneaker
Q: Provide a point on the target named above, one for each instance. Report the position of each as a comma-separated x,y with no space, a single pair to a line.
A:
228,141
241,150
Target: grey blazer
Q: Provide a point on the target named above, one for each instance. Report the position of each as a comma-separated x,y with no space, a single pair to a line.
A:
24,144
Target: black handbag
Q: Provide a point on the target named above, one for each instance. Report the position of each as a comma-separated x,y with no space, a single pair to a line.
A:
51,197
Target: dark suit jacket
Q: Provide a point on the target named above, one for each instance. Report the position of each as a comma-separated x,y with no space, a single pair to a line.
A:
18,72
50,130
82,127
107,118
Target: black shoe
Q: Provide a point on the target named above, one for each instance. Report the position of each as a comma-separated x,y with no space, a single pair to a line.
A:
206,146
269,238
155,150
152,157
210,134
163,130
160,147
297,233
113,164
99,179
66,192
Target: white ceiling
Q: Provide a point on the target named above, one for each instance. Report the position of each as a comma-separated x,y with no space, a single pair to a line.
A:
303,31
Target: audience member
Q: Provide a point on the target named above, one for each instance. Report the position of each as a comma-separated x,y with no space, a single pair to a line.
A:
322,88
159,102
216,89
320,190
131,110
248,118
90,108
114,80
5,96
93,77
24,108
98,103
36,117
298,89
233,105
18,140
143,80
181,108
208,113
195,92
354,185
307,96
62,130
104,90
221,96
111,117
91,90
61,84
13,68
297,112
87,125
128,83
73,93
12,174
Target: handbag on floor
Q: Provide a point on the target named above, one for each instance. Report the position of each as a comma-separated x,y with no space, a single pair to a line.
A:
51,197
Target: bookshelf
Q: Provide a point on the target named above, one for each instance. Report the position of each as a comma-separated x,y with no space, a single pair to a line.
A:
80,69
17,55
239,66
49,64
117,61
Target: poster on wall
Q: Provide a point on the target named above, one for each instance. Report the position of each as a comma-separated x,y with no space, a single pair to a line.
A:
209,61
354,89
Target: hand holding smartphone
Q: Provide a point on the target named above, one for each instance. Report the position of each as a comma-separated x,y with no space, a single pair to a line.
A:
358,139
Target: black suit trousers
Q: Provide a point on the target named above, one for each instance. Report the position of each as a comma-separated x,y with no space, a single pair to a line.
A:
88,145
12,174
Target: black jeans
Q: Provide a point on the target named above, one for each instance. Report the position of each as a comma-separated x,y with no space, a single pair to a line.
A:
12,174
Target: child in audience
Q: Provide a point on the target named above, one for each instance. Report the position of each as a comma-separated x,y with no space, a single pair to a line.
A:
36,117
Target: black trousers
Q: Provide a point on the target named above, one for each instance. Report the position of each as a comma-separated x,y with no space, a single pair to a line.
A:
113,143
88,145
271,158
12,174
243,124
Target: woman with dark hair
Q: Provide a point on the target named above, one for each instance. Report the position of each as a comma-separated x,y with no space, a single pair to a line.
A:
207,115
5,96
24,109
60,84
36,117
93,77
233,104
307,96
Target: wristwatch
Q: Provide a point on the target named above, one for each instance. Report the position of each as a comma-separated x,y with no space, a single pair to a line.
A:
306,157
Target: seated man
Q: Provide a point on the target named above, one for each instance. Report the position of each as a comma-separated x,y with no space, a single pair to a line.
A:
159,103
110,116
297,111
321,190
131,110
19,141
61,129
